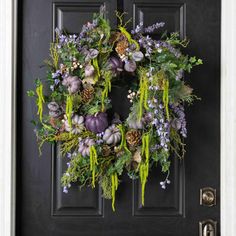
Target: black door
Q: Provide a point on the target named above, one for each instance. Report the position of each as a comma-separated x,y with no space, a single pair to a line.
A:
42,208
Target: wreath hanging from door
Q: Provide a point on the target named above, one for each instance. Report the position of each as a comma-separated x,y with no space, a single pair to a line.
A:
98,144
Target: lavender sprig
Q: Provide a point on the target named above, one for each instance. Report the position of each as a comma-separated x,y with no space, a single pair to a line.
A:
152,28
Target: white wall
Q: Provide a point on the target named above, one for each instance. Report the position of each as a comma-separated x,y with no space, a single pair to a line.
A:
6,99
228,118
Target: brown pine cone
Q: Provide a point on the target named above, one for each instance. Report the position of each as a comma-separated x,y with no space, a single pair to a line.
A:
115,37
133,137
118,151
53,122
137,157
121,47
106,150
87,94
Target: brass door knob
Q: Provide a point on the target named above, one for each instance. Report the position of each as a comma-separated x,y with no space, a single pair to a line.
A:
207,197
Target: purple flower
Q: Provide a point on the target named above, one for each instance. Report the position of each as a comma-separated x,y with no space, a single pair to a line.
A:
65,189
179,74
56,74
68,155
154,27
56,81
171,49
179,111
137,29
52,87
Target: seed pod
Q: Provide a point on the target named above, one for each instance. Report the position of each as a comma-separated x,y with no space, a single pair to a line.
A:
137,56
54,110
130,66
93,53
72,83
89,70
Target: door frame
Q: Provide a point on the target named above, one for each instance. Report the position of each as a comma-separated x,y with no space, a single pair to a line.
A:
8,68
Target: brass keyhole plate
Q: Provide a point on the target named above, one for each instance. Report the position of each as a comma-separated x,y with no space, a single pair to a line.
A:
208,197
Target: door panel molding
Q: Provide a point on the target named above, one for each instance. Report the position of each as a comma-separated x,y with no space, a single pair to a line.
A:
8,42
171,11
174,16
169,207
64,12
78,202
84,202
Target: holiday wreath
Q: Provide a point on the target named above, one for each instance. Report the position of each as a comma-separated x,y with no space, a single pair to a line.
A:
98,144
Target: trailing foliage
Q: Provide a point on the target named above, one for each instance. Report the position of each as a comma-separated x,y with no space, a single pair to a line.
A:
40,99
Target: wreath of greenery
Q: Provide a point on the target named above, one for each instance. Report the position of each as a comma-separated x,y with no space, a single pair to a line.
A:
98,145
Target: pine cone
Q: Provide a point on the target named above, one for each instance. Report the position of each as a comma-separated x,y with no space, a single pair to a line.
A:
106,150
122,46
118,151
133,137
87,94
115,37
53,122
137,157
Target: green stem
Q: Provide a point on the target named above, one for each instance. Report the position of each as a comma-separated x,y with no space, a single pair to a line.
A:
165,97
144,166
93,163
114,187
97,70
40,100
69,108
143,89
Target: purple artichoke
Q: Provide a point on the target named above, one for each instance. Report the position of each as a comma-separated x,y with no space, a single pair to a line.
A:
84,146
96,123
115,64
72,83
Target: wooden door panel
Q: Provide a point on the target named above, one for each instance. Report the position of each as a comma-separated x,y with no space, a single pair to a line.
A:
171,201
71,16
86,202
150,12
77,202
159,202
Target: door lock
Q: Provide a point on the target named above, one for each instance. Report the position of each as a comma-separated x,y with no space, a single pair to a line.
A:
207,228
208,197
